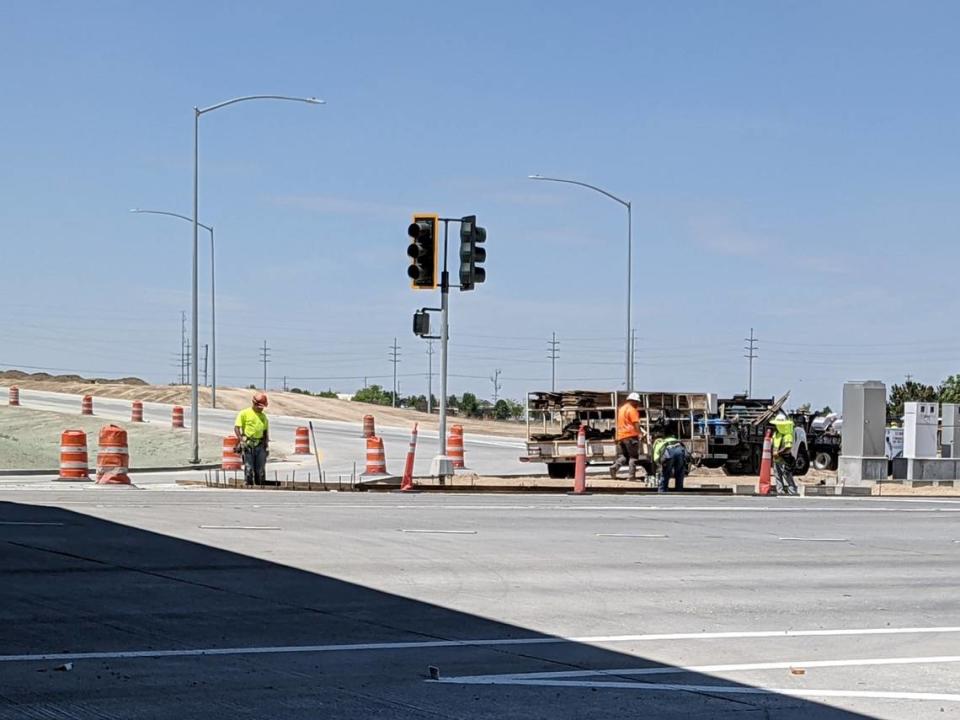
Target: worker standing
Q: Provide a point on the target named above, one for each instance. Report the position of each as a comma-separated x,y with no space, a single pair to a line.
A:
253,432
628,436
783,461
670,456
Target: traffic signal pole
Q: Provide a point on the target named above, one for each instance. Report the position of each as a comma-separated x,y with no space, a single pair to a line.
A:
444,336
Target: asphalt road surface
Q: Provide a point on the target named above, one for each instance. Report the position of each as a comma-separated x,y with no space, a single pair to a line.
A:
340,443
211,604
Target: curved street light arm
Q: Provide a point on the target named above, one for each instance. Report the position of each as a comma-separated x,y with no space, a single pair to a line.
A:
623,202
309,101
172,214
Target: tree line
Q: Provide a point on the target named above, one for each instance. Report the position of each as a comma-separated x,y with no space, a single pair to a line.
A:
465,405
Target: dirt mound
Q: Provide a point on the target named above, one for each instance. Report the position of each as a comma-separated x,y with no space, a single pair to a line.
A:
47,377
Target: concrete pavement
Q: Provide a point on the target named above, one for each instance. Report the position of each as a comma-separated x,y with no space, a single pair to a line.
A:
224,604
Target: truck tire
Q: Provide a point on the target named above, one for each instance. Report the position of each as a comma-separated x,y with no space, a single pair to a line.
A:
823,461
803,462
560,471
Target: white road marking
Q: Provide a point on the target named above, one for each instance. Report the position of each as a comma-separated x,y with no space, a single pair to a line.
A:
815,539
51,524
239,527
440,532
415,645
739,690
676,670
630,535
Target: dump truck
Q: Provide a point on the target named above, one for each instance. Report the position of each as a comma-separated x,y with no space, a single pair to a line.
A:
554,418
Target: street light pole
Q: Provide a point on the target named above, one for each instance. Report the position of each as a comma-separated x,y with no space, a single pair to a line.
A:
197,112
213,297
629,207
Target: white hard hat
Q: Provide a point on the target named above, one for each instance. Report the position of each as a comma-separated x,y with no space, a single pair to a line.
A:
781,415
634,396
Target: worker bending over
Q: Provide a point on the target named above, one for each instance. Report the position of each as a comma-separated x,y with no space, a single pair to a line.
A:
670,456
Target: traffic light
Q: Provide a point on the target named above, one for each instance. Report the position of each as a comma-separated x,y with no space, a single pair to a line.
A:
471,254
424,234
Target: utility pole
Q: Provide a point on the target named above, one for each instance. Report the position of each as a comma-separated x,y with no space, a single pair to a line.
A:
265,358
430,377
394,358
206,351
186,360
495,379
284,383
183,347
554,344
751,355
633,359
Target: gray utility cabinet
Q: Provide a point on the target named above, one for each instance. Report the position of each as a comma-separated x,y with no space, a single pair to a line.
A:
864,419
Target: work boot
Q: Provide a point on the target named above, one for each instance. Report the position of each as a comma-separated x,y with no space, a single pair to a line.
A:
613,471
632,466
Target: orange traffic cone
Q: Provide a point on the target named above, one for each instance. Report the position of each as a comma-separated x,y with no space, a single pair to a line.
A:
406,484
765,462
580,464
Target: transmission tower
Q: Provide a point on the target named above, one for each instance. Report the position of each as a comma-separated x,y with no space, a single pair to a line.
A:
394,358
553,357
265,358
751,349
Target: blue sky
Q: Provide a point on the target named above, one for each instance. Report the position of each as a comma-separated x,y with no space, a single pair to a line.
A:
793,167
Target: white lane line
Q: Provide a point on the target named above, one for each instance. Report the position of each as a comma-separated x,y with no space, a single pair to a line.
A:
439,532
415,645
630,535
239,527
45,524
678,669
738,690
815,539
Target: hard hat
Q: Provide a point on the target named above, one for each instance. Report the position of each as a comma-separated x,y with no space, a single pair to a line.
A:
781,415
260,398
634,396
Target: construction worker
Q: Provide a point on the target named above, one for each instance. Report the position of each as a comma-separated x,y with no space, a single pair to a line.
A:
628,436
783,461
670,456
253,435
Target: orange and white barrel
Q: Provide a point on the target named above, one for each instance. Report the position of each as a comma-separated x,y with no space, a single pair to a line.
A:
455,446
301,441
376,459
177,417
73,455
14,395
231,458
136,411
113,456
368,429
86,405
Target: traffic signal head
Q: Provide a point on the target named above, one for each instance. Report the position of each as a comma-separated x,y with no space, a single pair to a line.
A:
424,236
471,253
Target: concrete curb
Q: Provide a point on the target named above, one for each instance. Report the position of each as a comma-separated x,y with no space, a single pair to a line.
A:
131,471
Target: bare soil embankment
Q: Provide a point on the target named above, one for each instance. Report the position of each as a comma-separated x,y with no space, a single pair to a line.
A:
281,403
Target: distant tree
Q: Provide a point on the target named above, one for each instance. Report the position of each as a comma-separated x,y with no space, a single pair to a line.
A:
469,404
300,391
805,408
452,402
910,391
502,410
826,410
327,394
950,390
373,394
